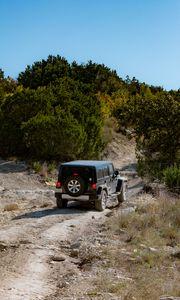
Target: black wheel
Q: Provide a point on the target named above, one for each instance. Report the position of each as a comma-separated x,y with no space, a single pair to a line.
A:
100,204
74,186
61,203
122,195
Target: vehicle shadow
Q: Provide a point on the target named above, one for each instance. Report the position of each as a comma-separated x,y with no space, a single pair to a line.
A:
72,209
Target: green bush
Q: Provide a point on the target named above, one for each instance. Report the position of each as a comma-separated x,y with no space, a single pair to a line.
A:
172,177
37,166
54,137
51,166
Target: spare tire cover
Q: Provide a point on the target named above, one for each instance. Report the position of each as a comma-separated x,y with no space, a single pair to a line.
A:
74,186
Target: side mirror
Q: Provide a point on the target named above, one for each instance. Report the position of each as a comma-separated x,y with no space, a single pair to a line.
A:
116,173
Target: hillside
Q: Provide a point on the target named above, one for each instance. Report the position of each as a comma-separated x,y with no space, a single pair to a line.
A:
121,151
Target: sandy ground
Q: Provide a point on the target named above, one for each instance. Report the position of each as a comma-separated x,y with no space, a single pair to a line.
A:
39,243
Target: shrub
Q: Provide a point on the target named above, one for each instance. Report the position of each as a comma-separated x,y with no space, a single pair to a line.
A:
156,223
37,166
51,167
54,137
172,177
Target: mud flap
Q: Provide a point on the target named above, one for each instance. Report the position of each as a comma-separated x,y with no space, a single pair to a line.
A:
119,185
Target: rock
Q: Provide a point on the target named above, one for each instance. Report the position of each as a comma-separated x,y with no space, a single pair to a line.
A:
3,246
61,285
2,189
58,258
176,254
74,253
75,261
75,245
109,214
152,249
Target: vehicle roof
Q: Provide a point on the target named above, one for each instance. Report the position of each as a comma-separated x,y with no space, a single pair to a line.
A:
89,163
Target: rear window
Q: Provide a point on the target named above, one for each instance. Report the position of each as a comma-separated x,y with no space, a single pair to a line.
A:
87,173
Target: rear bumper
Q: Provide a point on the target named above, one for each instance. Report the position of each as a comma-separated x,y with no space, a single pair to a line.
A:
78,198
86,197
71,198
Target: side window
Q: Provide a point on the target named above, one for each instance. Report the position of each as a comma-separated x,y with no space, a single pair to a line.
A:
106,171
111,169
99,173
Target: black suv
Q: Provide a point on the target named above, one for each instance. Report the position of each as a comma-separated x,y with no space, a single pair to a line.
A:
89,180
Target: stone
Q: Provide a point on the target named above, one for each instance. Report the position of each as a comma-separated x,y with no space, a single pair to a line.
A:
58,258
74,252
75,245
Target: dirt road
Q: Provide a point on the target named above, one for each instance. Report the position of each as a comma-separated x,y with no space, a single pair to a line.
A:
31,243
39,243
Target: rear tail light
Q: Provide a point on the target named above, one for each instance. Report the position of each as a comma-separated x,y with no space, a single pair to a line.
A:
93,186
75,174
58,184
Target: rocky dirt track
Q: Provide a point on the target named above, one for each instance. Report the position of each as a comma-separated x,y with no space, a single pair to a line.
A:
39,243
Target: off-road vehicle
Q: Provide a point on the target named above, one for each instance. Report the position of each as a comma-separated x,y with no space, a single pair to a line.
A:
89,180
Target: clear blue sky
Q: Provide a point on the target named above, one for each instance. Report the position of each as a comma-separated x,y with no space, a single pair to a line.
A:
138,38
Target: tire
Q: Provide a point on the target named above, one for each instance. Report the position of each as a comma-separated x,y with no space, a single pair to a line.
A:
122,195
74,186
100,204
61,203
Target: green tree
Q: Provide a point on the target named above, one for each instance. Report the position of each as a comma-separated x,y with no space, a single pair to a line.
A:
101,78
156,120
15,110
78,99
60,137
57,114
1,74
7,86
44,72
